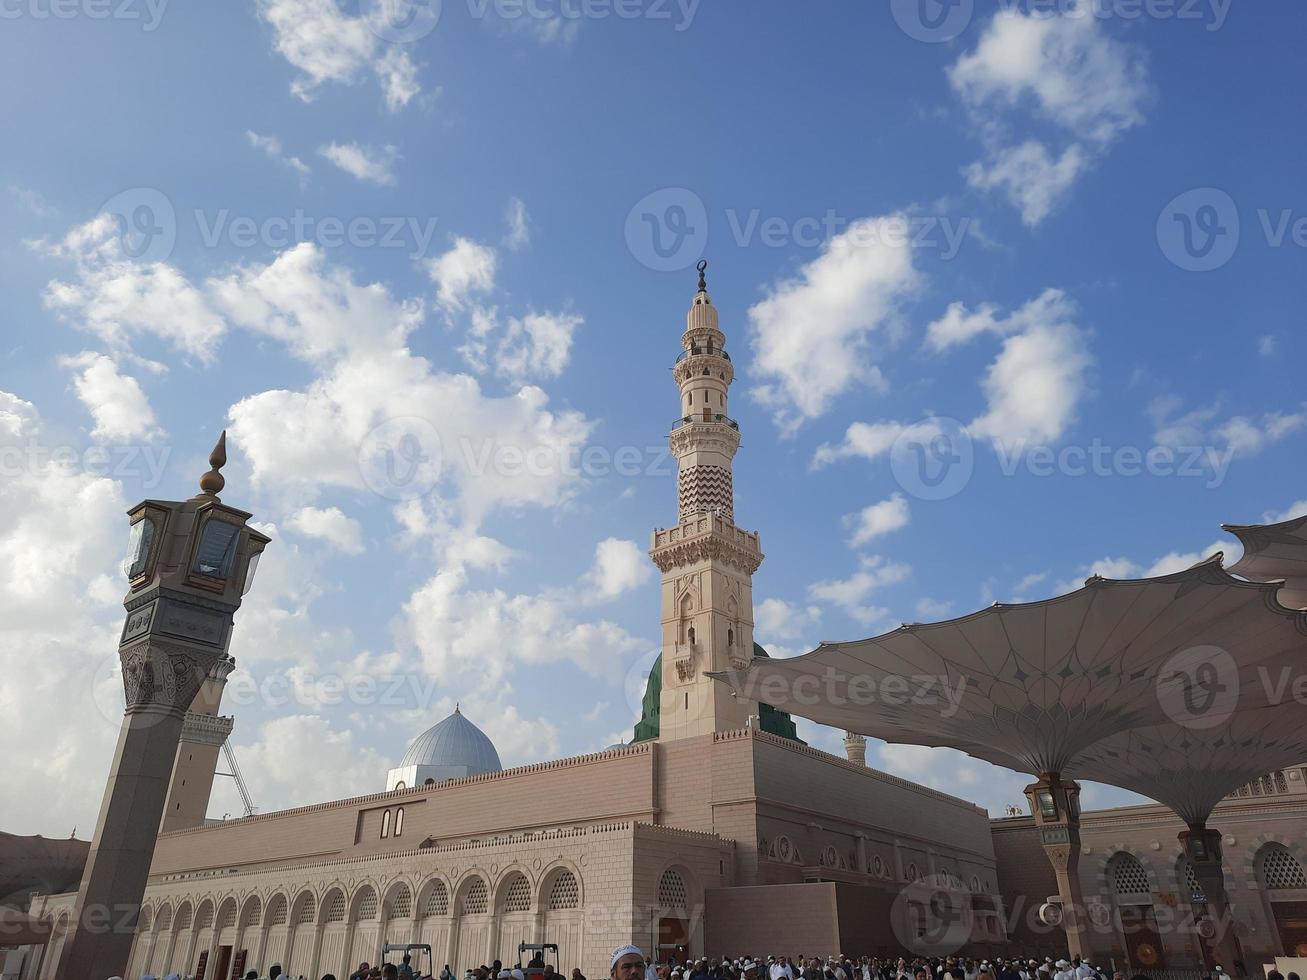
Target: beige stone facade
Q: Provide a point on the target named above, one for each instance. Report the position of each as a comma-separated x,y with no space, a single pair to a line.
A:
1138,893
589,853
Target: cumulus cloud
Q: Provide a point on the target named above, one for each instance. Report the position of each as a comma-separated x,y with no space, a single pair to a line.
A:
370,164
1032,388
619,566
116,401
1066,71
327,44
537,346
812,335
329,524
466,269
851,594
776,619
877,520
118,298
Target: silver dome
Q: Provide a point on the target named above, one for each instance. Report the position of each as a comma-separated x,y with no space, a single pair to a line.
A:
456,746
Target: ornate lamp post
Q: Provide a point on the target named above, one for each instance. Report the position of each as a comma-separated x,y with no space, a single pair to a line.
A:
189,563
1055,804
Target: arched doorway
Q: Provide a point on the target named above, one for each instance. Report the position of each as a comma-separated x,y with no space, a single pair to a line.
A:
672,916
1132,894
514,920
433,920
560,898
1281,876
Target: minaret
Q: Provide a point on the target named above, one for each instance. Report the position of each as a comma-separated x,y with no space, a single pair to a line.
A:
203,732
707,562
855,748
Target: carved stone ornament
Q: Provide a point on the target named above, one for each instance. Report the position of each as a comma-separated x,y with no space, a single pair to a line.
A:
163,674
706,548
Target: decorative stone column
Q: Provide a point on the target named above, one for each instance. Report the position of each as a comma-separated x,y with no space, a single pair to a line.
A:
1202,847
189,564
1055,803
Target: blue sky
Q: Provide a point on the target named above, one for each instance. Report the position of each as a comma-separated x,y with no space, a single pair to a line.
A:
1063,237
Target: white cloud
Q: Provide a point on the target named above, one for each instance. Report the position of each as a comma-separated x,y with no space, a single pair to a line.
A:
1067,70
61,543
1067,67
1032,388
619,566
850,594
776,619
316,310
118,298
1124,568
370,164
328,45
32,201
812,333
536,346
116,401
877,520
329,524
870,440
1267,345
480,635
272,147
518,235
468,268
1239,435
1035,384
1033,180
1296,509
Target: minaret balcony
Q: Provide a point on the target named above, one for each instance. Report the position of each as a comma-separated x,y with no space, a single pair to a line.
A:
707,418
706,536
709,350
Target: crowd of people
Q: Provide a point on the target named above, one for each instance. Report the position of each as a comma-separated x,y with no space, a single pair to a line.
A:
630,963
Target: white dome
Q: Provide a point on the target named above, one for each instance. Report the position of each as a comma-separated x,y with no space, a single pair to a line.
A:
454,746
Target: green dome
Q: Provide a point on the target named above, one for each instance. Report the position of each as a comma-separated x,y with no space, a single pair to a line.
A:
772,720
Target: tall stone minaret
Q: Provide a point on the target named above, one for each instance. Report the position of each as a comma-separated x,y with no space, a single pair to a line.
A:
707,562
203,732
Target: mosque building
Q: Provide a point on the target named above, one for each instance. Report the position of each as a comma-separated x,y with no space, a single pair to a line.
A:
715,831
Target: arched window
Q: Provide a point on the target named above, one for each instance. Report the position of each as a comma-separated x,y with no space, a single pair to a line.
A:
336,908
400,785
1280,869
401,904
385,824
399,821
437,902
276,914
429,782
365,907
518,896
730,637
564,893
477,898
1128,876
672,893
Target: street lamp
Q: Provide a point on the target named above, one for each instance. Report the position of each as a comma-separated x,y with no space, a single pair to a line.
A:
188,565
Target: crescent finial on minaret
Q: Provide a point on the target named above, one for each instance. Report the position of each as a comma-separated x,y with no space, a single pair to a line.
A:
703,280
212,482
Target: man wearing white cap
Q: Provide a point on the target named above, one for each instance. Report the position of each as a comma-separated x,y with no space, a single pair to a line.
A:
1064,971
627,964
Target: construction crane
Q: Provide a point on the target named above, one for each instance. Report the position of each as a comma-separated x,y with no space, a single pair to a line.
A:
235,774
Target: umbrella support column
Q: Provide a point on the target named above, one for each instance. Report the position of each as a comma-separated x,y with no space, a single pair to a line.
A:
1202,847
1055,803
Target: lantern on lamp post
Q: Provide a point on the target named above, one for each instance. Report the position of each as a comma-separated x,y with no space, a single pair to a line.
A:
188,565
